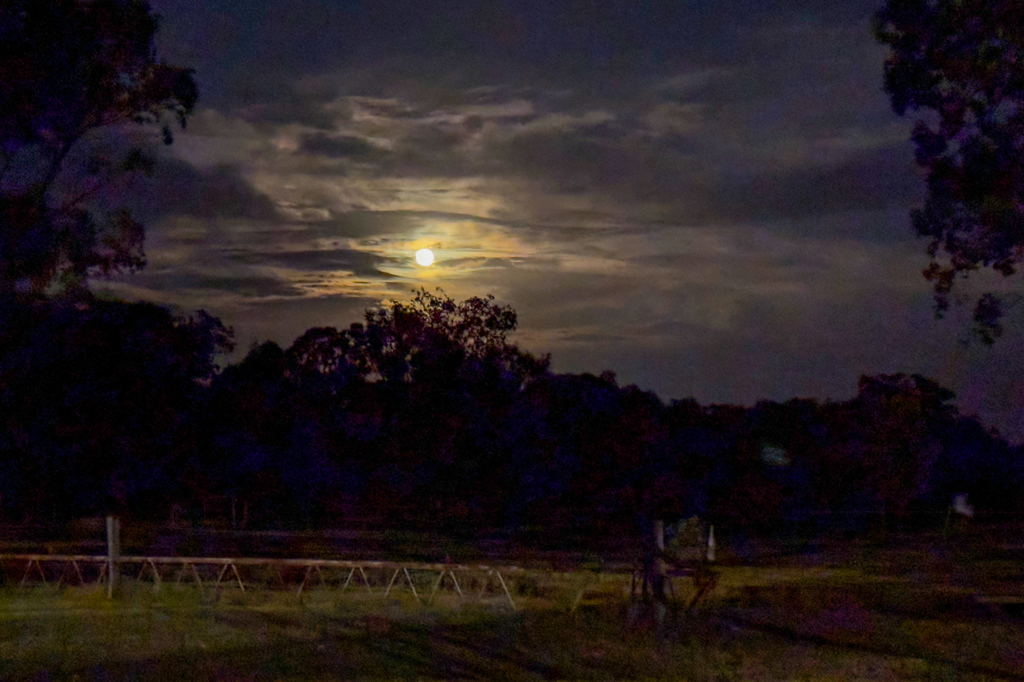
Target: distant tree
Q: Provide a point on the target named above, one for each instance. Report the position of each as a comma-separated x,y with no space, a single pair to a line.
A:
432,334
321,350
432,338
446,374
68,69
250,415
976,461
962,61
902,422
100,403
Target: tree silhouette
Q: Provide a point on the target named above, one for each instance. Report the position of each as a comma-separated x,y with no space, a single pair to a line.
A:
99,403
962,63
431,337
69,69
902,421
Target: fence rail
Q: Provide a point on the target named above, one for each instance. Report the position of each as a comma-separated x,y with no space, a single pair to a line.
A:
377,578
491,580
481,579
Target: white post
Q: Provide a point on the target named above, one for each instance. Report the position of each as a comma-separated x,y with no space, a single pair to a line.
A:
113,552
711,543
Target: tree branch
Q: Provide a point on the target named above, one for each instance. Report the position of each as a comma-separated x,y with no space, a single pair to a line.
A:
55,166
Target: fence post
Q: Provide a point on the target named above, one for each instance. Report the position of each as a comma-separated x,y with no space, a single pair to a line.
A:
659,544
113,552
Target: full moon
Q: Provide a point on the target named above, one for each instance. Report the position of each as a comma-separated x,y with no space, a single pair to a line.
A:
424,257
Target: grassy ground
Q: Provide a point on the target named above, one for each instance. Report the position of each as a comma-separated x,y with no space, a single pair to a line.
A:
898,614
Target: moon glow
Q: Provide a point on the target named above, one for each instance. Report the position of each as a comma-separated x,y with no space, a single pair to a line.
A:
424,257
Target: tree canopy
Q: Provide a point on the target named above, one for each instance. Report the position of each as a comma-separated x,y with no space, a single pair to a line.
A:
430,338
69,68
961,62
98,401
107,405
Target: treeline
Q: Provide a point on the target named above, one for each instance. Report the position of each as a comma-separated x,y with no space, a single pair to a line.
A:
426,415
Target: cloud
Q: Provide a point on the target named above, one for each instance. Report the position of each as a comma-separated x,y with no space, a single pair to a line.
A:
241,284
343,146
179,188
366,224
358,263
518,109
674,119
872,180
654,179
299,109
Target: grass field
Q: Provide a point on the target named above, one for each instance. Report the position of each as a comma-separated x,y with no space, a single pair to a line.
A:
868,614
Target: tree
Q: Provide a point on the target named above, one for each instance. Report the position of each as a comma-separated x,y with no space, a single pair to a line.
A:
963,62
320,350
250,414
902,420
445,374
100,403
433,338
69,69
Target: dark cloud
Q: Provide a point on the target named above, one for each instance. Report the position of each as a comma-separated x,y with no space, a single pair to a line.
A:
432,140
394,109
365,224
241,284
368,224
306,110
700,189
886,226
359,263
428,150
343,146
476,263
248,286
573,161
177,188
872,180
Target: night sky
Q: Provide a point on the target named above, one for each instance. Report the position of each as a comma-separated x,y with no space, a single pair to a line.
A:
709,198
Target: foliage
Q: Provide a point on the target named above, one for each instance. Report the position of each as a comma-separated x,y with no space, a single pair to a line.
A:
962,61
97,402
903,419
433,337
70,69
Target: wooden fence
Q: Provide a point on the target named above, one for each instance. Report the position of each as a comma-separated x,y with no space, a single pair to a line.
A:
376,577
468,582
